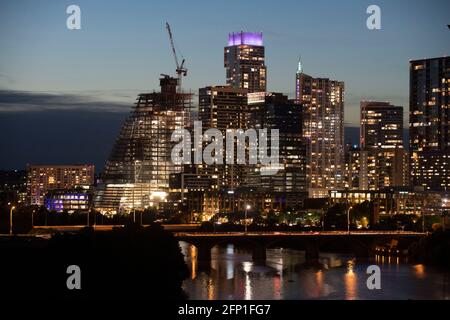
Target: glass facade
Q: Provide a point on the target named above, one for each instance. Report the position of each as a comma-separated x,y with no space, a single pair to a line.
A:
429,123
381,139
244,62
67,200
323,127
224,108
138,170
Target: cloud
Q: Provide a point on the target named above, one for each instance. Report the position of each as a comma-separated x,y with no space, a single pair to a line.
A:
26,101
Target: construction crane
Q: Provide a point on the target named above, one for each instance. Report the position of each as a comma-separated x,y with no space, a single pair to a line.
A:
181,70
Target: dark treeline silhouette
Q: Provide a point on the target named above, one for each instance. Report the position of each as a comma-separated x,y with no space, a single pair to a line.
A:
433,249
24,217
126,263
316,216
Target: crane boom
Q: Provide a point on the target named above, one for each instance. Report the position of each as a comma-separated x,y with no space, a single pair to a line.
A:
180,70
172,44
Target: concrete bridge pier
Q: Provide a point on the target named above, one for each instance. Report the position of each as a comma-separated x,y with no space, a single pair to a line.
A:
203,252
364,250
362,253
311,252
259,254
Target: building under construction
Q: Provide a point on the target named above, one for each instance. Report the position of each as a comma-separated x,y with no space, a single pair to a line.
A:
138,170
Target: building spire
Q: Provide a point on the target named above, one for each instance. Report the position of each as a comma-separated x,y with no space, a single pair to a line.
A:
300,65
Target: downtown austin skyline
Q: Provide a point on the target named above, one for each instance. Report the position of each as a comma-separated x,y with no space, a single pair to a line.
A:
48,71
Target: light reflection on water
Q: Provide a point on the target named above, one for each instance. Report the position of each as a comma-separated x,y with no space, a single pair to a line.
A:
232,275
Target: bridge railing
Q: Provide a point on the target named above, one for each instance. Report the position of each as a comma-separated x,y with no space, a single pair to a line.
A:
297,233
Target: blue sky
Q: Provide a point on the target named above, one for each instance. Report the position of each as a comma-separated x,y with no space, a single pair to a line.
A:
123,47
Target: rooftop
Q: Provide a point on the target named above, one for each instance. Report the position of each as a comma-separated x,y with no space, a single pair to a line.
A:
245,38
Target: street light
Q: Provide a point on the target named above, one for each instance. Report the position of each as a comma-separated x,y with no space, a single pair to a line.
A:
445,213
32,218
247,207
423,220
348,218
10,220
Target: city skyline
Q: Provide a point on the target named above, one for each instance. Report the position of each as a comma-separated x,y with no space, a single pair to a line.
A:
86,52
82,76
252,151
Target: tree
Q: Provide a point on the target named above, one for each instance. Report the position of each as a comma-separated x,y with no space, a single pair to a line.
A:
130,262
336,217
272,218
399,221
362,213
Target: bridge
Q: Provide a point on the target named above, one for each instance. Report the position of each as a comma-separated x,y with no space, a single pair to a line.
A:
360,243
98,227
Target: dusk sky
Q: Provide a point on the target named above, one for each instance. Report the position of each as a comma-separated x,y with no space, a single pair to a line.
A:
64,93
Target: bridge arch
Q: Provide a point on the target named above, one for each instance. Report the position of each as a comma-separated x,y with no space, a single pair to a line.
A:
204,246
360,247
314,245
361,244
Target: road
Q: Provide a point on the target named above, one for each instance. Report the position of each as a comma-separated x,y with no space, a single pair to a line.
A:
170,227
297,234
190,230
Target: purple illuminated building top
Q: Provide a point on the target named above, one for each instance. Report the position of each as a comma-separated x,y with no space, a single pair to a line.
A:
248,38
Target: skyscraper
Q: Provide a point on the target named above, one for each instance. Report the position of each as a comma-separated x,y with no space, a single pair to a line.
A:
138,170
381,125
323,127
359,167
223,108
277,112
381,139
429,123
244,61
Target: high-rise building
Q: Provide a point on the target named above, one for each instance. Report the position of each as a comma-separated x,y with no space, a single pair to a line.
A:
359,168
429,123
277,112
401,169
45,178
138,170
244,61
381,139
224,108
323,127
381,125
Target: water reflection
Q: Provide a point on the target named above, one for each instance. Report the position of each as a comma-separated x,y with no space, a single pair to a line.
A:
319,283
419,270
231,274
211,289
193,255
350,281
247,266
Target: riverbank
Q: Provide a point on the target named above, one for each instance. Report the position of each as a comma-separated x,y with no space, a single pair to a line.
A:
433,249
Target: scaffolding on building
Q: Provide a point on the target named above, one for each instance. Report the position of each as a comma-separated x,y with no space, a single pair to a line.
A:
138,170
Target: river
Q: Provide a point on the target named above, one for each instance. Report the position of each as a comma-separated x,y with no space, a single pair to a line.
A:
233,275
